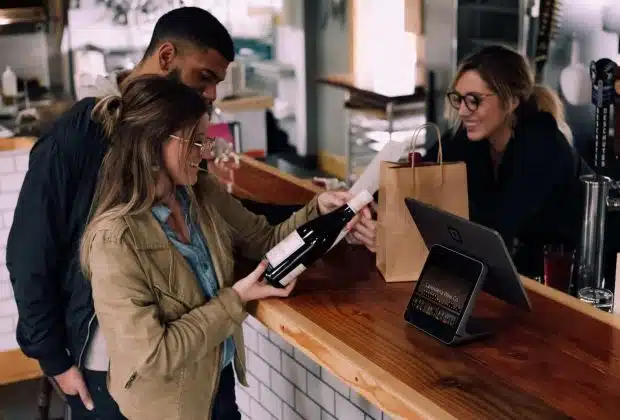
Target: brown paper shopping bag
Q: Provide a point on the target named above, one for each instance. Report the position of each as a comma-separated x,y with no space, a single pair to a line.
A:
401,252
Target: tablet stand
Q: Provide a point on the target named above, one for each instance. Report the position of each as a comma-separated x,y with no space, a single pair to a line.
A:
433,317
471,328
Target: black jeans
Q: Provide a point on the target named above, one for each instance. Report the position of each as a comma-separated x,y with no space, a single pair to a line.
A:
105,407
224,404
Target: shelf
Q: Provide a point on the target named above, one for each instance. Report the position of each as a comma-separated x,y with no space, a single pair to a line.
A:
365,121
406,93
273,69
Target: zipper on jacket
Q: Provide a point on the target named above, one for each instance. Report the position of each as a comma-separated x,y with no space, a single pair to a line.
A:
90,323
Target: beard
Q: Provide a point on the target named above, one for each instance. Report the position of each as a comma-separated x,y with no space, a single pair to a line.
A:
175,74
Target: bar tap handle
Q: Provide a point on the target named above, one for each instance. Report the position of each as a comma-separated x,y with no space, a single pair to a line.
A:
603,75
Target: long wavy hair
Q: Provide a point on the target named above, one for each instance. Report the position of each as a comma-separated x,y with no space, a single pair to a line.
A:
509,75
137,124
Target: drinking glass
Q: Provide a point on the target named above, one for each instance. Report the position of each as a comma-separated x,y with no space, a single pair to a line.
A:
223,161
602,299
558,263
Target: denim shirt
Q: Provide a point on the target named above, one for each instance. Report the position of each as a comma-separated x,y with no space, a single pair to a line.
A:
197,255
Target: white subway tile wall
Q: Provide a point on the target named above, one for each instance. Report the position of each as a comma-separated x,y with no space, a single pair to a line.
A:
284,382
296,388
13,166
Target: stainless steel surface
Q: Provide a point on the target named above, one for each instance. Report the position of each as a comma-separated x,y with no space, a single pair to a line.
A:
368,132
589,270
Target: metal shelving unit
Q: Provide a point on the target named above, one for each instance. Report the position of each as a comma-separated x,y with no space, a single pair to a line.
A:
369,128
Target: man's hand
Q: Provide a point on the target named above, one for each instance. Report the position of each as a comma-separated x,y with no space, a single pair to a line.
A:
362,229
71,382
364,233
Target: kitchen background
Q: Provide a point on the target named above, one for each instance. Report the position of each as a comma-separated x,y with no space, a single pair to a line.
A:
284,47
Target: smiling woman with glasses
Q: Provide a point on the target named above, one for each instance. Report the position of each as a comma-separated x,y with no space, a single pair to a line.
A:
522,171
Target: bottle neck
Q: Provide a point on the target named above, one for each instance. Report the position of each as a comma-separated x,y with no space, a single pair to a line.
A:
345,212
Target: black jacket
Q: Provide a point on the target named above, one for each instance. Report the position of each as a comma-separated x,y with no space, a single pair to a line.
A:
536,198
56,312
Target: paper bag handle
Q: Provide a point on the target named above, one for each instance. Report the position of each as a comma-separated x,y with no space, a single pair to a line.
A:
414,141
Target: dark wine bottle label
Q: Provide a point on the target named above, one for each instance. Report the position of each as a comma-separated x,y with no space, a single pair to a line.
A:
285,249
292,275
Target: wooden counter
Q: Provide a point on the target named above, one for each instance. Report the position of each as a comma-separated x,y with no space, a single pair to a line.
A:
247,103
558,361
16,367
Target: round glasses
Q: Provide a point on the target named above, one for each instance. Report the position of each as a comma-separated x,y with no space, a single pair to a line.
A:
471,100
202,147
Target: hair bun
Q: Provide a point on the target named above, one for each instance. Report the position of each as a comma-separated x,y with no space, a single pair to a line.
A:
114,102
108,112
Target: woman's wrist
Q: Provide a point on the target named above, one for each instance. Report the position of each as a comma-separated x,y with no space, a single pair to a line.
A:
238,289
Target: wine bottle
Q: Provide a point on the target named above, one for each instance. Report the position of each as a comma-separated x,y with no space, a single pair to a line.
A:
309,242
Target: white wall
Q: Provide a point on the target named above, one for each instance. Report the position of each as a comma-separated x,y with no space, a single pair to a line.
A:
13,166
286,384
386,66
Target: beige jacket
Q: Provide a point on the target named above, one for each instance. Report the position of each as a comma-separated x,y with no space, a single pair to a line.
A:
164,341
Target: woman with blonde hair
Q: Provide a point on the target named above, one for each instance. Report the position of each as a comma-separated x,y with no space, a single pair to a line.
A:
522,171
158,251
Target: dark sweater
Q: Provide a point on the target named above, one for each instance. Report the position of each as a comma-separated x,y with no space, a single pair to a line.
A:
536,198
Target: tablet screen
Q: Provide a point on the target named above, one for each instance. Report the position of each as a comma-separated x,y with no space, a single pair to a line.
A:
442,292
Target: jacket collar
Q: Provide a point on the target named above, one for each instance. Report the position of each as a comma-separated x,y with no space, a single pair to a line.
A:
146,228
147,232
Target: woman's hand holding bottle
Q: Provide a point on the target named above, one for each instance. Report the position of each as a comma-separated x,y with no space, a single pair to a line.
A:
254,287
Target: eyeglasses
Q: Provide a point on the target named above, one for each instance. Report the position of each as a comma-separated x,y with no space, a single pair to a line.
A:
472,100
203,147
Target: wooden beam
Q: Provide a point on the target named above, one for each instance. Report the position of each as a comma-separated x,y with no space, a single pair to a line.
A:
414,23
